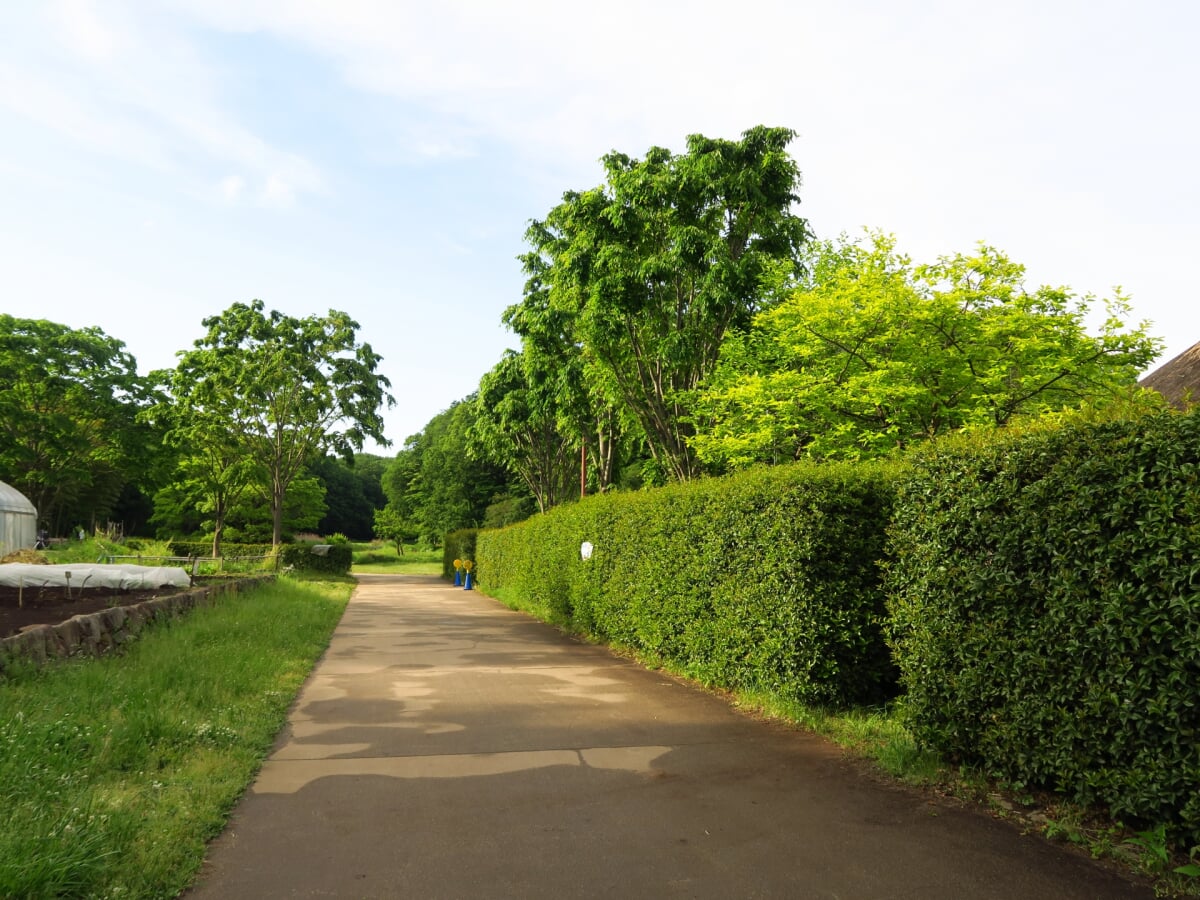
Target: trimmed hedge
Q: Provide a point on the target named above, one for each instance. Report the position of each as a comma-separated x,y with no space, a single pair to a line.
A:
1045,597
204,548
457,545
766,579
336,561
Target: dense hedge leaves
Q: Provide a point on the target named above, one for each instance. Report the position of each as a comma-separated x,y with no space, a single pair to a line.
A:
766,579
1045,595
204,548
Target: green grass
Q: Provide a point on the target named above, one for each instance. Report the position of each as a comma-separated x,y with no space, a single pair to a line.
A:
92,549
382,559
876,733
114,773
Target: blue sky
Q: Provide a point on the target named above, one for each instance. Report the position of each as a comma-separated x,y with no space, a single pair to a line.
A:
163,160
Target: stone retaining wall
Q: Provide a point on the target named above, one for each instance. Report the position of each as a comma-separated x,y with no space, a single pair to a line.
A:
100,632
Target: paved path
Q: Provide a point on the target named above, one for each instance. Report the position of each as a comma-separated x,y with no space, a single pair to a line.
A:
448,747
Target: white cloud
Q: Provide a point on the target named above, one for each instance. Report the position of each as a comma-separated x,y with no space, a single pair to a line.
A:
1058,132
83,31
277,192
231,188
120,82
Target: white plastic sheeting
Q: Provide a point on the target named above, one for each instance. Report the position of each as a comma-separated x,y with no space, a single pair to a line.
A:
87,575
18,520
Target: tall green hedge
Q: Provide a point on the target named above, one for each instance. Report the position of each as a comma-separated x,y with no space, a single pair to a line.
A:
1045,597
765,579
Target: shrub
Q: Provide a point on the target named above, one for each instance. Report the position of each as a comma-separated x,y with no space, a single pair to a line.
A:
767,579
1045,597
336,560
228,548
457,545
505,509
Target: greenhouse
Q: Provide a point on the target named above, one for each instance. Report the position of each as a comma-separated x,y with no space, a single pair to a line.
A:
18,520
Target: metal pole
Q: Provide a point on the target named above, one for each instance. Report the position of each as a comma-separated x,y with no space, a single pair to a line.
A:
582,470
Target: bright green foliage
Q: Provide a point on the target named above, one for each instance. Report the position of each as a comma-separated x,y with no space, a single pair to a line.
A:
873,353
288,390
202,548
516,421
1045,597
764,580
508,509
565,377
69,439
215,466
335,560
436,483
389,525
654,267
460,545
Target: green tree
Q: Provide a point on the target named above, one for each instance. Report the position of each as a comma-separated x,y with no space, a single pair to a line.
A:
293,389
516,422
69,436
556,366
369,469
400,475
178,512
252,521
389,525
348,511
215,465
658,264
873,353
436,483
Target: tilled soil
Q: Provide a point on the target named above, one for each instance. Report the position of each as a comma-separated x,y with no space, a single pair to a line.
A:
49,605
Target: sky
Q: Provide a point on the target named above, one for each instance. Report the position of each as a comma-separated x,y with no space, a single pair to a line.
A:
162,160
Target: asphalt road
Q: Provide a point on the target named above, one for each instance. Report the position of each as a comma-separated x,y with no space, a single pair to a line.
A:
447,747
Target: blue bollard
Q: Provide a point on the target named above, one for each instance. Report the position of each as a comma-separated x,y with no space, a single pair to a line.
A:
458,578
467,582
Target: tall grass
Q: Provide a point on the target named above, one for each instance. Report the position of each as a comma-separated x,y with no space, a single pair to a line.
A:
115,772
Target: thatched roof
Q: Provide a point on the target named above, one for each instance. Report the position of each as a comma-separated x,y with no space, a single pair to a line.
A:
1178,380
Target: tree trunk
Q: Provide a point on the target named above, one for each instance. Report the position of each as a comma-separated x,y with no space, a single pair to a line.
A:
276,515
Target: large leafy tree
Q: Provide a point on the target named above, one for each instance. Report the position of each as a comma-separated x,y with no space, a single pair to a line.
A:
436,483
69,435
516,422
289,389
658,264
215,464
567,382
872,353
348,510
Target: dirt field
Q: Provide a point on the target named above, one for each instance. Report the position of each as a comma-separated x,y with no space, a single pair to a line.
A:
49,606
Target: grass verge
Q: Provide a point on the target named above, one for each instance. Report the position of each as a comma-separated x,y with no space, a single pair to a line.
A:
379,559
114,773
